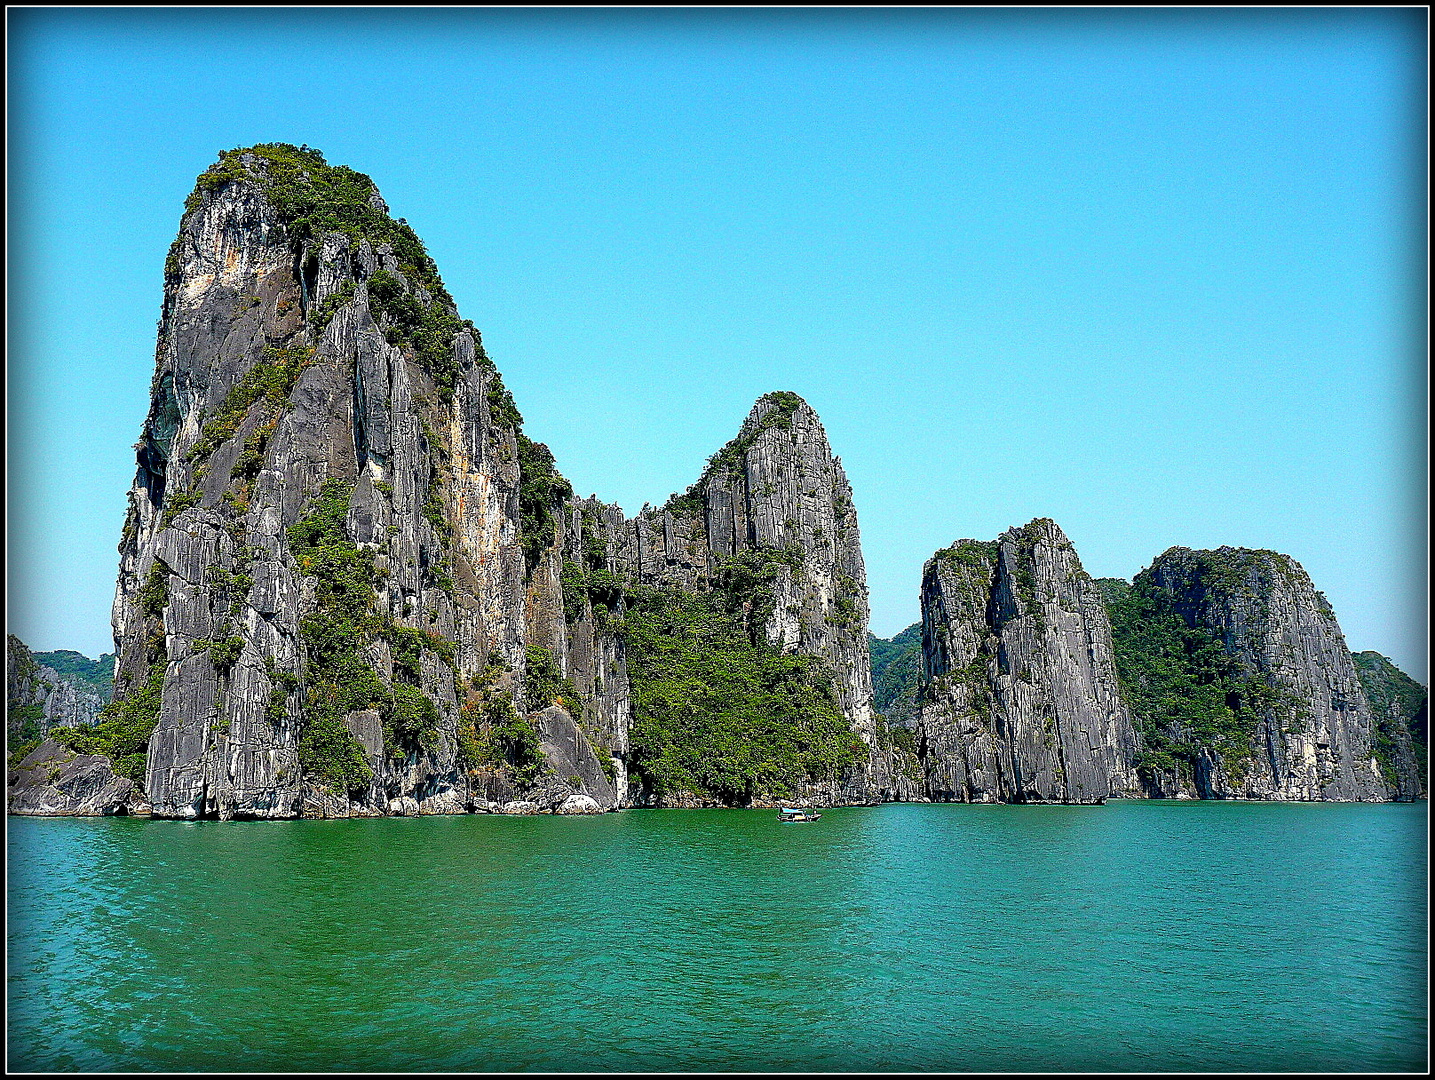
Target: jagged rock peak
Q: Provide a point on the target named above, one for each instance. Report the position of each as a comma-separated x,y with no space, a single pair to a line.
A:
770,526
777,486
1020,695
1277,709
777,410
350,585
330,528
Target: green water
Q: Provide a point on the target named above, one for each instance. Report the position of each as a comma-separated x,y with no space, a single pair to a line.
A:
1134,936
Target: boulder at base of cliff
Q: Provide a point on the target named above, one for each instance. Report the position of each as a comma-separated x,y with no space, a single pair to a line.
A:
53,781
572,759
580,804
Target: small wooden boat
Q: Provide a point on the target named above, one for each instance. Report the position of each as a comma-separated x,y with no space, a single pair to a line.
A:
797,813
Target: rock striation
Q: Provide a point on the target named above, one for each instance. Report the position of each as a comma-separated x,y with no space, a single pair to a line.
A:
1241,681
771,525
351,586
329,529
39,698
1020,700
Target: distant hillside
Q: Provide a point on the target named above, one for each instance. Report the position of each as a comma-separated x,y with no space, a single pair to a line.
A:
38,698
1397,701
95,676
896,672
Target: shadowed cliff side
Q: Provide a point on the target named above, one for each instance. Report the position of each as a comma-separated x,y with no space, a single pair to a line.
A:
1401,708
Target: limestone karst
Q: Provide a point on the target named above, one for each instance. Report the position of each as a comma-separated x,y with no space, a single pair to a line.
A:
1241,681
1401,708
350,584
1020,698
1233,676
39,697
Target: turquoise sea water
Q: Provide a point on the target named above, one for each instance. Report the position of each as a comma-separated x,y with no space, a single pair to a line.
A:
1132,936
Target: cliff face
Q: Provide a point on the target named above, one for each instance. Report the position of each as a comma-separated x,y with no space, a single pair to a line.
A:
325,546
1020,701
767,538
778,488
1401,709
1242,683
38,698
350,584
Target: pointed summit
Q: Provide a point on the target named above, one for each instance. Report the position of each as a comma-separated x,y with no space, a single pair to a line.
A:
350,584
325,538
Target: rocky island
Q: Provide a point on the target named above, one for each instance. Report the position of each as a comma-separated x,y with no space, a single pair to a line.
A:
351,585
1212,675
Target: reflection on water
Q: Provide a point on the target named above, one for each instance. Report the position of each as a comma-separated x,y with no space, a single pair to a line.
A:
1143,937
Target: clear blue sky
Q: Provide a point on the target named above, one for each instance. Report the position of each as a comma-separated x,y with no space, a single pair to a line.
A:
1159,276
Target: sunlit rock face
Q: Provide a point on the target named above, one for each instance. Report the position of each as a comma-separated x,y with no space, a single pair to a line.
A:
291,383
342,580
1020,699
1312,732
775,488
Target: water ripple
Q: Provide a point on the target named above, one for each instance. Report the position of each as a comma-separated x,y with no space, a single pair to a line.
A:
1131,937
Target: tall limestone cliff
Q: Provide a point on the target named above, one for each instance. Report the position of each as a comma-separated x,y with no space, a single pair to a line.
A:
350,585
323,590
761,557
1020,700
1240,681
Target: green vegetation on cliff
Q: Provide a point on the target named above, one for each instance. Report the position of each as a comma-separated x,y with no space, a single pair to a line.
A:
491,733
897,674
542,489
1184,690
971,554
123,730
1395,698
270,381
1387,688
719,712
22,716
340,679
544,684
314,199
786,403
